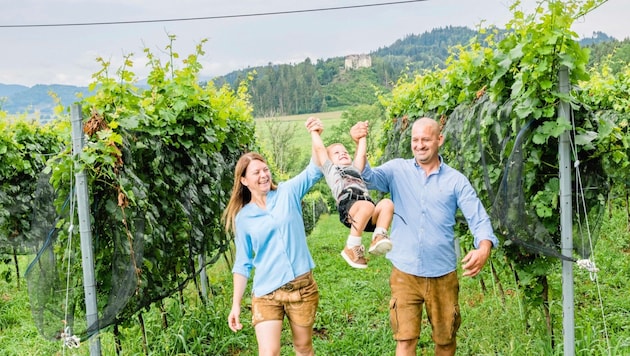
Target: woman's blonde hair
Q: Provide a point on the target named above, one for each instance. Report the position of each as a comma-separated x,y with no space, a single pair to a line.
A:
240,193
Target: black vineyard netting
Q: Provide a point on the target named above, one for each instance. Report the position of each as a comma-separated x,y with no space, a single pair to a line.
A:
55,276
133,268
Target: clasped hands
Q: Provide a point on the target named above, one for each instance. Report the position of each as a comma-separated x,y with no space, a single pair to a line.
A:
359,130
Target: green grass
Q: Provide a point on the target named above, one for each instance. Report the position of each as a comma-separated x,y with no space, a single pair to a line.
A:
330,115
301,139
353,312
302,136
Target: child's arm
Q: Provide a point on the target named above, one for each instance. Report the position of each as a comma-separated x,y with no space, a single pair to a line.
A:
320,155
360,155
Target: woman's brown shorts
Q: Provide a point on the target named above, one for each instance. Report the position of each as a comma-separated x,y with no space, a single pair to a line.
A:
297,300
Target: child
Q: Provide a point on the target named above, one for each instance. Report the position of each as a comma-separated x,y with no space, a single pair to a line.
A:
356,208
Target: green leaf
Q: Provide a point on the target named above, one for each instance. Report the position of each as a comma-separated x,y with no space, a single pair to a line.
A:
585,138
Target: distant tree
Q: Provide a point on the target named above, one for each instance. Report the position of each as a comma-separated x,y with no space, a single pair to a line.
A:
374,114
621,57
317,102
328,69
616,54
598,37
280,145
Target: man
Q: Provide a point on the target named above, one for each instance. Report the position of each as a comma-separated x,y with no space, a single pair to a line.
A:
427,194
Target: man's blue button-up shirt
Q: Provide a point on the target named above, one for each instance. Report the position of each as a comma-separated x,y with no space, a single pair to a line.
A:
425,211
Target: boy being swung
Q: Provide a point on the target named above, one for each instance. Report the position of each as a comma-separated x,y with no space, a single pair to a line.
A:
356,208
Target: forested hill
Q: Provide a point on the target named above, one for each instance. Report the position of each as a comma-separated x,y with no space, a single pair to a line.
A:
321,84
330,84
40,98
306,87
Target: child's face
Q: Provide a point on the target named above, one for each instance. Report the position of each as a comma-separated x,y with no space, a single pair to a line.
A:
339,155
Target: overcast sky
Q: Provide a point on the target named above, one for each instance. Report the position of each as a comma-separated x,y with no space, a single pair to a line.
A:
67,54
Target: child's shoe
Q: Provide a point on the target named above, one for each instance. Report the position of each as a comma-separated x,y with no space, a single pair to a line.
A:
355,256
381,244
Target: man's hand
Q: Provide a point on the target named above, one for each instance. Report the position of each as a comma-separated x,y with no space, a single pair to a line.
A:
476,259
359,130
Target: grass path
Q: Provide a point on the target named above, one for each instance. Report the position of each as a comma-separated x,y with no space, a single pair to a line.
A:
352,317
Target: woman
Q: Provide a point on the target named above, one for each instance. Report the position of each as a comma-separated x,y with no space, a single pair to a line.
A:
269,237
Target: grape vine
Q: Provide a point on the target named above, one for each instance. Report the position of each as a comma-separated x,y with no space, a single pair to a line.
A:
159,163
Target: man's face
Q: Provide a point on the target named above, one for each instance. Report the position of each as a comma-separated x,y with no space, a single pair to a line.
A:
425,143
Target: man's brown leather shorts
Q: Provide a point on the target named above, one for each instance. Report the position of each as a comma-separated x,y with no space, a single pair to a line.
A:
440,297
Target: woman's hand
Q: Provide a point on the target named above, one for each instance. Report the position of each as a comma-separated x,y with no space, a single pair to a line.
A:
234,318
314,124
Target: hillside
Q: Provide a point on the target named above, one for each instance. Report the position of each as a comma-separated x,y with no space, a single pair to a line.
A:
323,85
19,99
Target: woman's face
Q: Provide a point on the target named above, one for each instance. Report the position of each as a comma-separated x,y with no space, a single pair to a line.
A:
257,178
